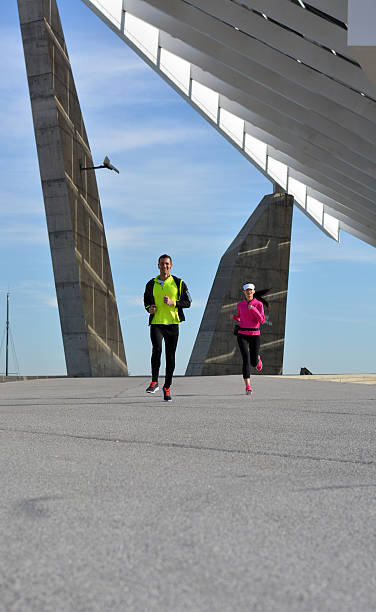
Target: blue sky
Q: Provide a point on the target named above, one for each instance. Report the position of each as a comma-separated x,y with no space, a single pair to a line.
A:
182,189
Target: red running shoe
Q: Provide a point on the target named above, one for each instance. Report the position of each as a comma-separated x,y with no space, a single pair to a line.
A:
166,394
152,388
259,365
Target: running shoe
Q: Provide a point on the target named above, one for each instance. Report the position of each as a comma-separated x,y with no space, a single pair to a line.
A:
152,388
248,390
259,365
166,394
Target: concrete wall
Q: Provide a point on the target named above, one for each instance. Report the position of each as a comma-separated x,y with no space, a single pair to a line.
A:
89,318
259,254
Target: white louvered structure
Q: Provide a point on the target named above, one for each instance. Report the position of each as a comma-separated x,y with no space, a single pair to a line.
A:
279,80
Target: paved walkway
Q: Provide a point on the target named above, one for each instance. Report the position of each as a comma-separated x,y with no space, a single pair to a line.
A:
362,379
218,502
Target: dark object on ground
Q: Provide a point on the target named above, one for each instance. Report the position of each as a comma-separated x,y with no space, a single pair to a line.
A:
304,371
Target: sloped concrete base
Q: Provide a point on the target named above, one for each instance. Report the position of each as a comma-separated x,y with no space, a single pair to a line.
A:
259,254
90,325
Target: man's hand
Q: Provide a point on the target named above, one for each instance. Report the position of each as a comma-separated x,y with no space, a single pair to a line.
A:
168,301
152,309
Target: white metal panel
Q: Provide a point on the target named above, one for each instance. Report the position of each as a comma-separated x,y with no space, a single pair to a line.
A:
111,8
176,68
315,208
232,125
256,149
278,171
143,35
206,99
298,190
331,225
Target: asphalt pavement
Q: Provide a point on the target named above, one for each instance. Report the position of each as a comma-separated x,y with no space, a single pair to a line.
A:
112,499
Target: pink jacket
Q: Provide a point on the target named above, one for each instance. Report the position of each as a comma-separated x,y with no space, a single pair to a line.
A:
249,318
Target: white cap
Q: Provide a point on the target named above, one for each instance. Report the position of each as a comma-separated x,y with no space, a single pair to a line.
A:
248,286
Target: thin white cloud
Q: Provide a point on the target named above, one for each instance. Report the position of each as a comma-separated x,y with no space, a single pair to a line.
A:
95,63
312,253
131,316
165,184
118,141
23,234
51,301
128,237
198,303
16,123
135,300
102,69
35,294
339,319
27,206
11,56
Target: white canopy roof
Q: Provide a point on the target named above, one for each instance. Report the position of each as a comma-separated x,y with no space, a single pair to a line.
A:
278,79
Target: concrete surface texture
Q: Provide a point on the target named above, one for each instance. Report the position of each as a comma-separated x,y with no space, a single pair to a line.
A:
89,318
115,500
259,254
361,379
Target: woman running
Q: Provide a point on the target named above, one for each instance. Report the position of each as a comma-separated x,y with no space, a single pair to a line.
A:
249,315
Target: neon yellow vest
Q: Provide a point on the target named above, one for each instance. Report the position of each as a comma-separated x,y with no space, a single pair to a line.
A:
165,315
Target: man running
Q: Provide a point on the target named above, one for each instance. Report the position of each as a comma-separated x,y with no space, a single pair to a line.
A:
164,298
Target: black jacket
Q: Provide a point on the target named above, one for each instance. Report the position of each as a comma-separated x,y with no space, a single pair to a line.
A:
183,301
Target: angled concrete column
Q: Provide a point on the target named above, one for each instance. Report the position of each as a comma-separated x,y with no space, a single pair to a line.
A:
89,317
259,254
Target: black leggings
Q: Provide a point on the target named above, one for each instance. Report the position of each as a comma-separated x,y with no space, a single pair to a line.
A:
170,333
249,348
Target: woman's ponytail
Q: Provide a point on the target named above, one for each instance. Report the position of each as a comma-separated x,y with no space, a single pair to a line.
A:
259,295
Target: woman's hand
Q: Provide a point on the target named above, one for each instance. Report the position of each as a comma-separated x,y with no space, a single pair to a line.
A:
152,309
232,317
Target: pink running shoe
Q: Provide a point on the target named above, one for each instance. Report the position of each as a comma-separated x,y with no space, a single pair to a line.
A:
259,365
248,390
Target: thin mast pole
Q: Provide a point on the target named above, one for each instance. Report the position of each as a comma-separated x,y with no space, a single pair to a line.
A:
7,340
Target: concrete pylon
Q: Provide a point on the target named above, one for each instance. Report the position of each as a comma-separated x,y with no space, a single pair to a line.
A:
90,325
259,254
